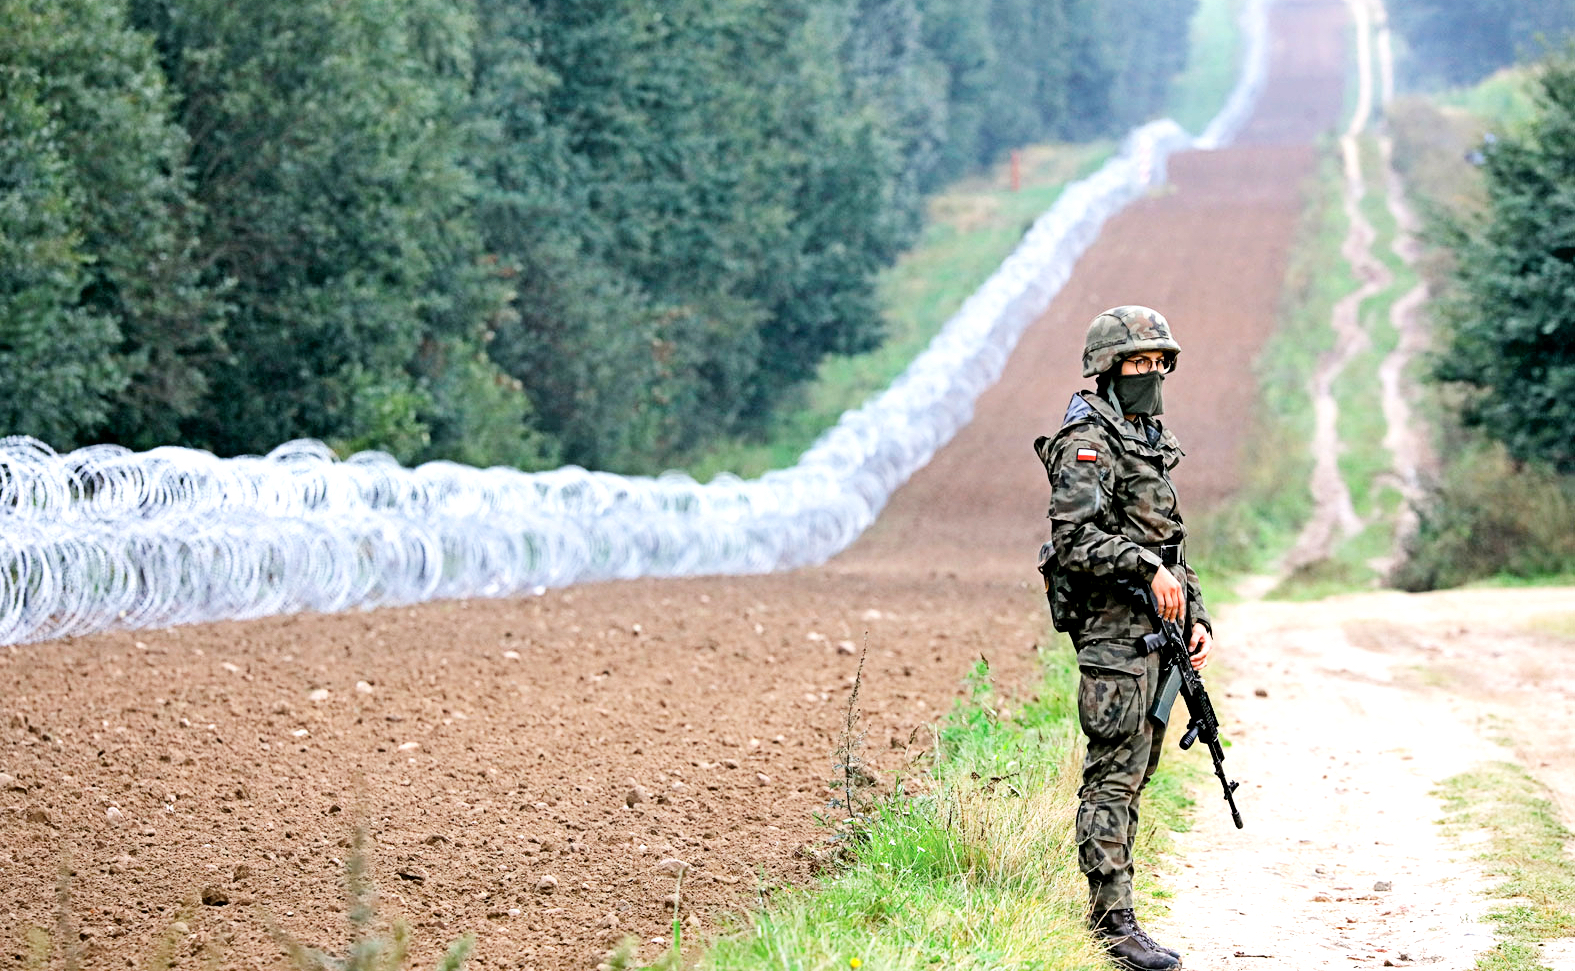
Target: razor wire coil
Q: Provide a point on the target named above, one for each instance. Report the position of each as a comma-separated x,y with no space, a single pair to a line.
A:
104,538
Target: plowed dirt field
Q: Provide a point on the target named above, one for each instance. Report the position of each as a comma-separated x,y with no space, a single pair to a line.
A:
523,767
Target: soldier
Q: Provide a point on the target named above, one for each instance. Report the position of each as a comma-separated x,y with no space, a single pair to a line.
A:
1115,523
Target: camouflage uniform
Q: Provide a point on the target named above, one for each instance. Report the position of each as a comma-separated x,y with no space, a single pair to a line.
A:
1114,520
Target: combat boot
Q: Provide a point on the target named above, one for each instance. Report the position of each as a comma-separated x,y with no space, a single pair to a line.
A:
1151,942
1126,944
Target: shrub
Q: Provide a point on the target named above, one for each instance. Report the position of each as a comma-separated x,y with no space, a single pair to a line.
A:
1487,516
1509,312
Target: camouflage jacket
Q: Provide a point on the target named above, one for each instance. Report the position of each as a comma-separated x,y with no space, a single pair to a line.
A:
1111,504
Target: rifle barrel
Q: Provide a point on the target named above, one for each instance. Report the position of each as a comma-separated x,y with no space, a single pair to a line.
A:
1203,724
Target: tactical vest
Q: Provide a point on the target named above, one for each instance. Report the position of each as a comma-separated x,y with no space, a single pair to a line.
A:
1070,592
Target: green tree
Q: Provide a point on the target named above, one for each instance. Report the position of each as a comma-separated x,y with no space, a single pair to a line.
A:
1122,56
1459,42
958,33
56,364
560,100
1150,50
900,80
693,197
598,230
836,162
96,148
327,145
1024,70
1511,310
1028,98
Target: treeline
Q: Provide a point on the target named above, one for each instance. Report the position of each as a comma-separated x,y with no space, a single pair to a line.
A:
496,231
1501,211
1509,309
1459,42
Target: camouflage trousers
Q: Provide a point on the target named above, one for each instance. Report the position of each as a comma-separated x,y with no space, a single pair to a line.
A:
1123,750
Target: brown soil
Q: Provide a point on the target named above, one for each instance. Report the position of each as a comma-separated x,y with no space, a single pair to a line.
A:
496,743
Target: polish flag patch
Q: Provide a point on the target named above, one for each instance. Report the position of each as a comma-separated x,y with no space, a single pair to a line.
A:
1087,455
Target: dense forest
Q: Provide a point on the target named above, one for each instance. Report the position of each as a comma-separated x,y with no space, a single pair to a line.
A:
497,231
1456,42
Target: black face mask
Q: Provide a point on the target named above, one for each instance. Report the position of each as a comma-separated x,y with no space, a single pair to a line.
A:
1139,394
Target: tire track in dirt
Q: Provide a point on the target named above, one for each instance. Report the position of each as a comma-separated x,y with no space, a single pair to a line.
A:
1405,436
590,734
1334,517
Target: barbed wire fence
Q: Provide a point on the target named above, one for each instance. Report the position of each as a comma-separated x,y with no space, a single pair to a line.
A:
104,538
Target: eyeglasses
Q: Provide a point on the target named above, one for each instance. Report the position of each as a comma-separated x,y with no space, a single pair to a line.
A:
1143,365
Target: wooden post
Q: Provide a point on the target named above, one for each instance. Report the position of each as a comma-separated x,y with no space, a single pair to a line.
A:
1017,169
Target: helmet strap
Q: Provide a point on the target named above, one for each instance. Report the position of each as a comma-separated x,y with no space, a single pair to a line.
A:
1110,393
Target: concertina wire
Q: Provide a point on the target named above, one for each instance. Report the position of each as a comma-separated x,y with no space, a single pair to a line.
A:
104,538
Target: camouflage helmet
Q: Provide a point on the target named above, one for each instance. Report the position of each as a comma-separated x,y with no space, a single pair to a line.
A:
1121,332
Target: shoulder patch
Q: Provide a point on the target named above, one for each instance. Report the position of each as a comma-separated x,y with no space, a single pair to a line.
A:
1087,455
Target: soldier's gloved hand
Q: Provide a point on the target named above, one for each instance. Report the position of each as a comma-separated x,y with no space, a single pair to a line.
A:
1199,647
1168,593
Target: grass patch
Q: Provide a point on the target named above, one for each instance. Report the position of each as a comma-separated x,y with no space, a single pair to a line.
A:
971,228
978,872
1324,578
1559,625
1490,519
1214,56
1432,144
1361,427
1249,534
1365,464
1527,849
1506,580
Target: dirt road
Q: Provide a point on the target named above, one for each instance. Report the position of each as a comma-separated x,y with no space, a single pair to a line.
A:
1352,711
1345,716
524,768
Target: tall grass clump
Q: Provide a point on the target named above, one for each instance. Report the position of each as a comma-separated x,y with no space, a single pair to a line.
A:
980,871
1528,849
1432,153
1488,517
371,947
1502,99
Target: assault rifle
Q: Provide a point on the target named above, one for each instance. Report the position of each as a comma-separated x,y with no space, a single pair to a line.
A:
1178,677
